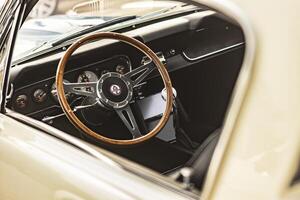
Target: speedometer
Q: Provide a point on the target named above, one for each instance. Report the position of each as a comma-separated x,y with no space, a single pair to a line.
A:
87,76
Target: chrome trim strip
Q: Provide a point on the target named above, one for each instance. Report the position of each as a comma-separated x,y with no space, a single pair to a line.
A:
212,53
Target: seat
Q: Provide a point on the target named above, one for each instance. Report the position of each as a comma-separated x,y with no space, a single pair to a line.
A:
199,163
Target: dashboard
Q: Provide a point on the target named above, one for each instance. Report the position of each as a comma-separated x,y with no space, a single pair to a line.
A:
37,97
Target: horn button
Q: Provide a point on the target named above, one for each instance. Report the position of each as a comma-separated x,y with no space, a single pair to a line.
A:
115,90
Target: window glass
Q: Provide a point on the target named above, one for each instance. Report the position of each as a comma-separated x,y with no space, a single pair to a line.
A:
3,48
50,20
5,35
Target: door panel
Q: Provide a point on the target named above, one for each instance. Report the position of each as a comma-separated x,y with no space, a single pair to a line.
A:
34,165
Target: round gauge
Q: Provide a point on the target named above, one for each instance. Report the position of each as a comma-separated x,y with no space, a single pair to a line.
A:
121,69
21,101
39,96
87,76
54,91
44,8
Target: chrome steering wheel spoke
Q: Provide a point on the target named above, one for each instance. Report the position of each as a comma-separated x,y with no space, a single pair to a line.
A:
137,75
88,89
128,119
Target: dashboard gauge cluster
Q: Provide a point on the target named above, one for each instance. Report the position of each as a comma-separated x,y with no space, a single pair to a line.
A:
42,95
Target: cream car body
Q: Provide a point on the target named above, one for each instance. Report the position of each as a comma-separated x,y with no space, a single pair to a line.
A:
256,157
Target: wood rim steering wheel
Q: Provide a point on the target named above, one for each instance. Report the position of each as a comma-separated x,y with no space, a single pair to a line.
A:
114,90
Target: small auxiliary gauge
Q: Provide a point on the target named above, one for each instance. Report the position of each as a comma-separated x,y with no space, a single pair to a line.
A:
39,96
21,101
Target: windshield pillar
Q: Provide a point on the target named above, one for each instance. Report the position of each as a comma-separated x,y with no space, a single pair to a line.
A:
7,49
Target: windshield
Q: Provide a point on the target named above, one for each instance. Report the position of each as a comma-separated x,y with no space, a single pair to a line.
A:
52,20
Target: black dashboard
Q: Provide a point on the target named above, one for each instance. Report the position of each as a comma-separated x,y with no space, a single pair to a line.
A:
41,96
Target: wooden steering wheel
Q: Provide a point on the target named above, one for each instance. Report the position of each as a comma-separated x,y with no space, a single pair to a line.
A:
113,90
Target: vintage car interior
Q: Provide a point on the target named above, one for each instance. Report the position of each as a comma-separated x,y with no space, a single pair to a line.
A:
163,110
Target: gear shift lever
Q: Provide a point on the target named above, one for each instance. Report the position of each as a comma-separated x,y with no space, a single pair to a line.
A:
179,111
176,103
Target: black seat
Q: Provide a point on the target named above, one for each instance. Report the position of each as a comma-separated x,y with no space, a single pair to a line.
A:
200,160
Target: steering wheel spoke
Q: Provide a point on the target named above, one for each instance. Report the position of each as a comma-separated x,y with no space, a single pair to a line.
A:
128,119
139,74
85,89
